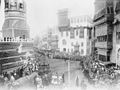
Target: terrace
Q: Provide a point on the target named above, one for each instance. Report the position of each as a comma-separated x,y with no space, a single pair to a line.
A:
8,39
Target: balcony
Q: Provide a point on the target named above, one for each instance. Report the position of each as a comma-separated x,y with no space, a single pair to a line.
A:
107,12
109,45
101,45
100,14
117,8
7,39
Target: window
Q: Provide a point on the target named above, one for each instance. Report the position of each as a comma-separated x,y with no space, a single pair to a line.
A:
24,37
64,42
76,32
66,33
82,44
102,57
82,51
89,33
68,50
64,49
71,50
102,38
108,58
81,35
94,32
6,5
72,44
61,34
71,20
78,20
110,37
108,10
7,38
118,35
111,9
21,6
117,8
72,35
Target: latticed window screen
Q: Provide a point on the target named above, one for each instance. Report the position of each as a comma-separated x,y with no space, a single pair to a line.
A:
72,34
81,35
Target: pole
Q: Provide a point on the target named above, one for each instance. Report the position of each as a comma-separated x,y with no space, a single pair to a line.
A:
116,45
68,72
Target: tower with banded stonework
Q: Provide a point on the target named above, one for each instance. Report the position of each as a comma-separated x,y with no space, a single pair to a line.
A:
15,24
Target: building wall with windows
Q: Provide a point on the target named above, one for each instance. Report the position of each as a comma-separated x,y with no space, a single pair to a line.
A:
104,29
15,23
76,38
115,55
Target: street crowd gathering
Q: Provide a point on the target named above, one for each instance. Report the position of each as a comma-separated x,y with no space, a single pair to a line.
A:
7,79
95,71
39,73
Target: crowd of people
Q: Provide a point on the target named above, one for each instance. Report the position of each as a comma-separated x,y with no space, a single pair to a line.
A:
7,78
99,73
92,69
96,71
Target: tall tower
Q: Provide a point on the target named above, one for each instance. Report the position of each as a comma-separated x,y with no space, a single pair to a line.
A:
63,20
15,24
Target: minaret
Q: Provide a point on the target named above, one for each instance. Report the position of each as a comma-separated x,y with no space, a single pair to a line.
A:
15,24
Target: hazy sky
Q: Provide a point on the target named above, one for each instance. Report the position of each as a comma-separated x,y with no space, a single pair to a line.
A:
42,14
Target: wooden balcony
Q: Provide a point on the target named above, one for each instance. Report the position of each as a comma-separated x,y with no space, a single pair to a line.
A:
99,15
117,8
109,45
103,13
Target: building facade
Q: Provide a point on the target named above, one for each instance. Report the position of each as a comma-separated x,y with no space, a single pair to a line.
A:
15,24
50,39
15,41
106,29
76,36
53,39
115,55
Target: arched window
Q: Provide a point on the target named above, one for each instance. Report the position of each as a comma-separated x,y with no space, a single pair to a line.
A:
64,42
21,6
6,5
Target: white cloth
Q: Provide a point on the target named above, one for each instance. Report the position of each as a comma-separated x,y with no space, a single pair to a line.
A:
12,78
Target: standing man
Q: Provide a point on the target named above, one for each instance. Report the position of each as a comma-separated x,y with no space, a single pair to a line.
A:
38,82
118,56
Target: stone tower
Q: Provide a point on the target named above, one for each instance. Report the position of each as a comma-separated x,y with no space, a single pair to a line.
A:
15,24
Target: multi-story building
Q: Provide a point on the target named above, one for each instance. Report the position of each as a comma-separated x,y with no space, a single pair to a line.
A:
103,29
15,41
75,34
53,38
50,39
115,54
15,24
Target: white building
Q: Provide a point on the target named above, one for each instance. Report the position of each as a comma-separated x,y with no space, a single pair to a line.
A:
0,34
76,37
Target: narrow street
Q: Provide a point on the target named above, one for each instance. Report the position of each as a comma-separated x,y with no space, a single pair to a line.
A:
57,66
61,67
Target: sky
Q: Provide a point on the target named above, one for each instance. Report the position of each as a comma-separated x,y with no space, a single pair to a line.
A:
42,14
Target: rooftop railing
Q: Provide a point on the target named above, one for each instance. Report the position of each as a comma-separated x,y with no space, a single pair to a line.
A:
7,39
